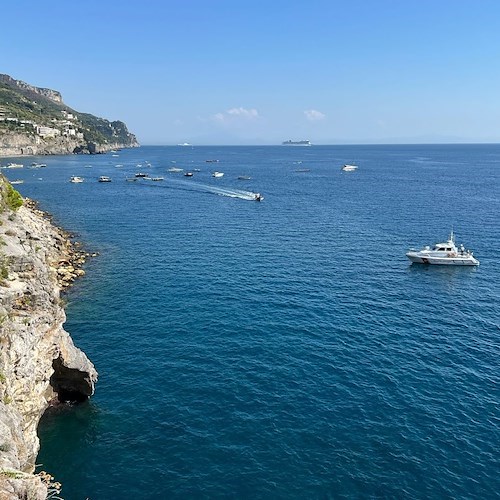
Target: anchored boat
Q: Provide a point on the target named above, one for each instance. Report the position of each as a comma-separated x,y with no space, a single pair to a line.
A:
349,168
443,253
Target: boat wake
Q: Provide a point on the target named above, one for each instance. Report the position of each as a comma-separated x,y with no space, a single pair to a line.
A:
231,193
207,188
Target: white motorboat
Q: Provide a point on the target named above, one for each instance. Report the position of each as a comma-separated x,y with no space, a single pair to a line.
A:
349,168
443,253
258,197
217,174
104,178
75,179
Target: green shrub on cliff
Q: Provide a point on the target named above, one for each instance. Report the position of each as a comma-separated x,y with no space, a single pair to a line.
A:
9,197
4,269
13,199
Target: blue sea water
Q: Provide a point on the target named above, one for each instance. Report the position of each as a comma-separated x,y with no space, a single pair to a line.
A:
287,348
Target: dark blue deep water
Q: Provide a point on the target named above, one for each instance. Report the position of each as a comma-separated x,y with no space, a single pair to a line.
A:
282,349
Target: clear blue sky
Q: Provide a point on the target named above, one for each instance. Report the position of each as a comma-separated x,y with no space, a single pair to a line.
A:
260,72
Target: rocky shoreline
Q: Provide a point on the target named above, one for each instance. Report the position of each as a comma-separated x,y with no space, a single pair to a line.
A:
39,364
17,144
70,267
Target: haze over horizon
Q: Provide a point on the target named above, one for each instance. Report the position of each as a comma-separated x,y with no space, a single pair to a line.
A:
260,73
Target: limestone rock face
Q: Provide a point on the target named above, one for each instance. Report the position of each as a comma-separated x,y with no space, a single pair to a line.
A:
53,95
16,144
38,360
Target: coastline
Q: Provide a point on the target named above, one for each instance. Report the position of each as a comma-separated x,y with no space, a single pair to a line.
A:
40,365
19,148
70,267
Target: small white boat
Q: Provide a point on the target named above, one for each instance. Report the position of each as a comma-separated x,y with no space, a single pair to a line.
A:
17,181
141,175
76,179
258,197
104,178
157,178
188,174
175,170
444,254
349,168
14,165
217,174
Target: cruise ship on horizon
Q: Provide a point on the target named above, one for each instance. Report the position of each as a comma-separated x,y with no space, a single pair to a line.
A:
296,143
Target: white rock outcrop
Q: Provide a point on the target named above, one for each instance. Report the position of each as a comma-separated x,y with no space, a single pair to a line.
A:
39,363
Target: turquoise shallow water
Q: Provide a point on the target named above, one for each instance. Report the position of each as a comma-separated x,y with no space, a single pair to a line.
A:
282,349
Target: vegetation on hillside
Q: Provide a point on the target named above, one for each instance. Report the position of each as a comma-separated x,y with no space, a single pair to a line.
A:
14,104
102,131
19,105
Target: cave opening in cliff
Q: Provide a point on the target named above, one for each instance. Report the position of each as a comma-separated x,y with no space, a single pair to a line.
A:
71,385
72,397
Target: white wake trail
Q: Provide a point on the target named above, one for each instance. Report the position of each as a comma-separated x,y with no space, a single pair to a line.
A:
207,188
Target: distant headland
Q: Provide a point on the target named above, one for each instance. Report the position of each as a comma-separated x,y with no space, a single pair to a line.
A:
36,121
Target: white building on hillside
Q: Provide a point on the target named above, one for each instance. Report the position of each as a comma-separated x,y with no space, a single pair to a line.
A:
48,132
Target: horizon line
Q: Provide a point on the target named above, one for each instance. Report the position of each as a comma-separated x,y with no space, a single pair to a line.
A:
328,144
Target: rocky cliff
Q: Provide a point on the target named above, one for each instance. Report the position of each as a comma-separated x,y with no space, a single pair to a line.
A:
53,95
19,144
36,121
39,363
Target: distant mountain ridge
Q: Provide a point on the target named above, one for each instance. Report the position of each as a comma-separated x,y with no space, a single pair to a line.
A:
35,120
54,95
